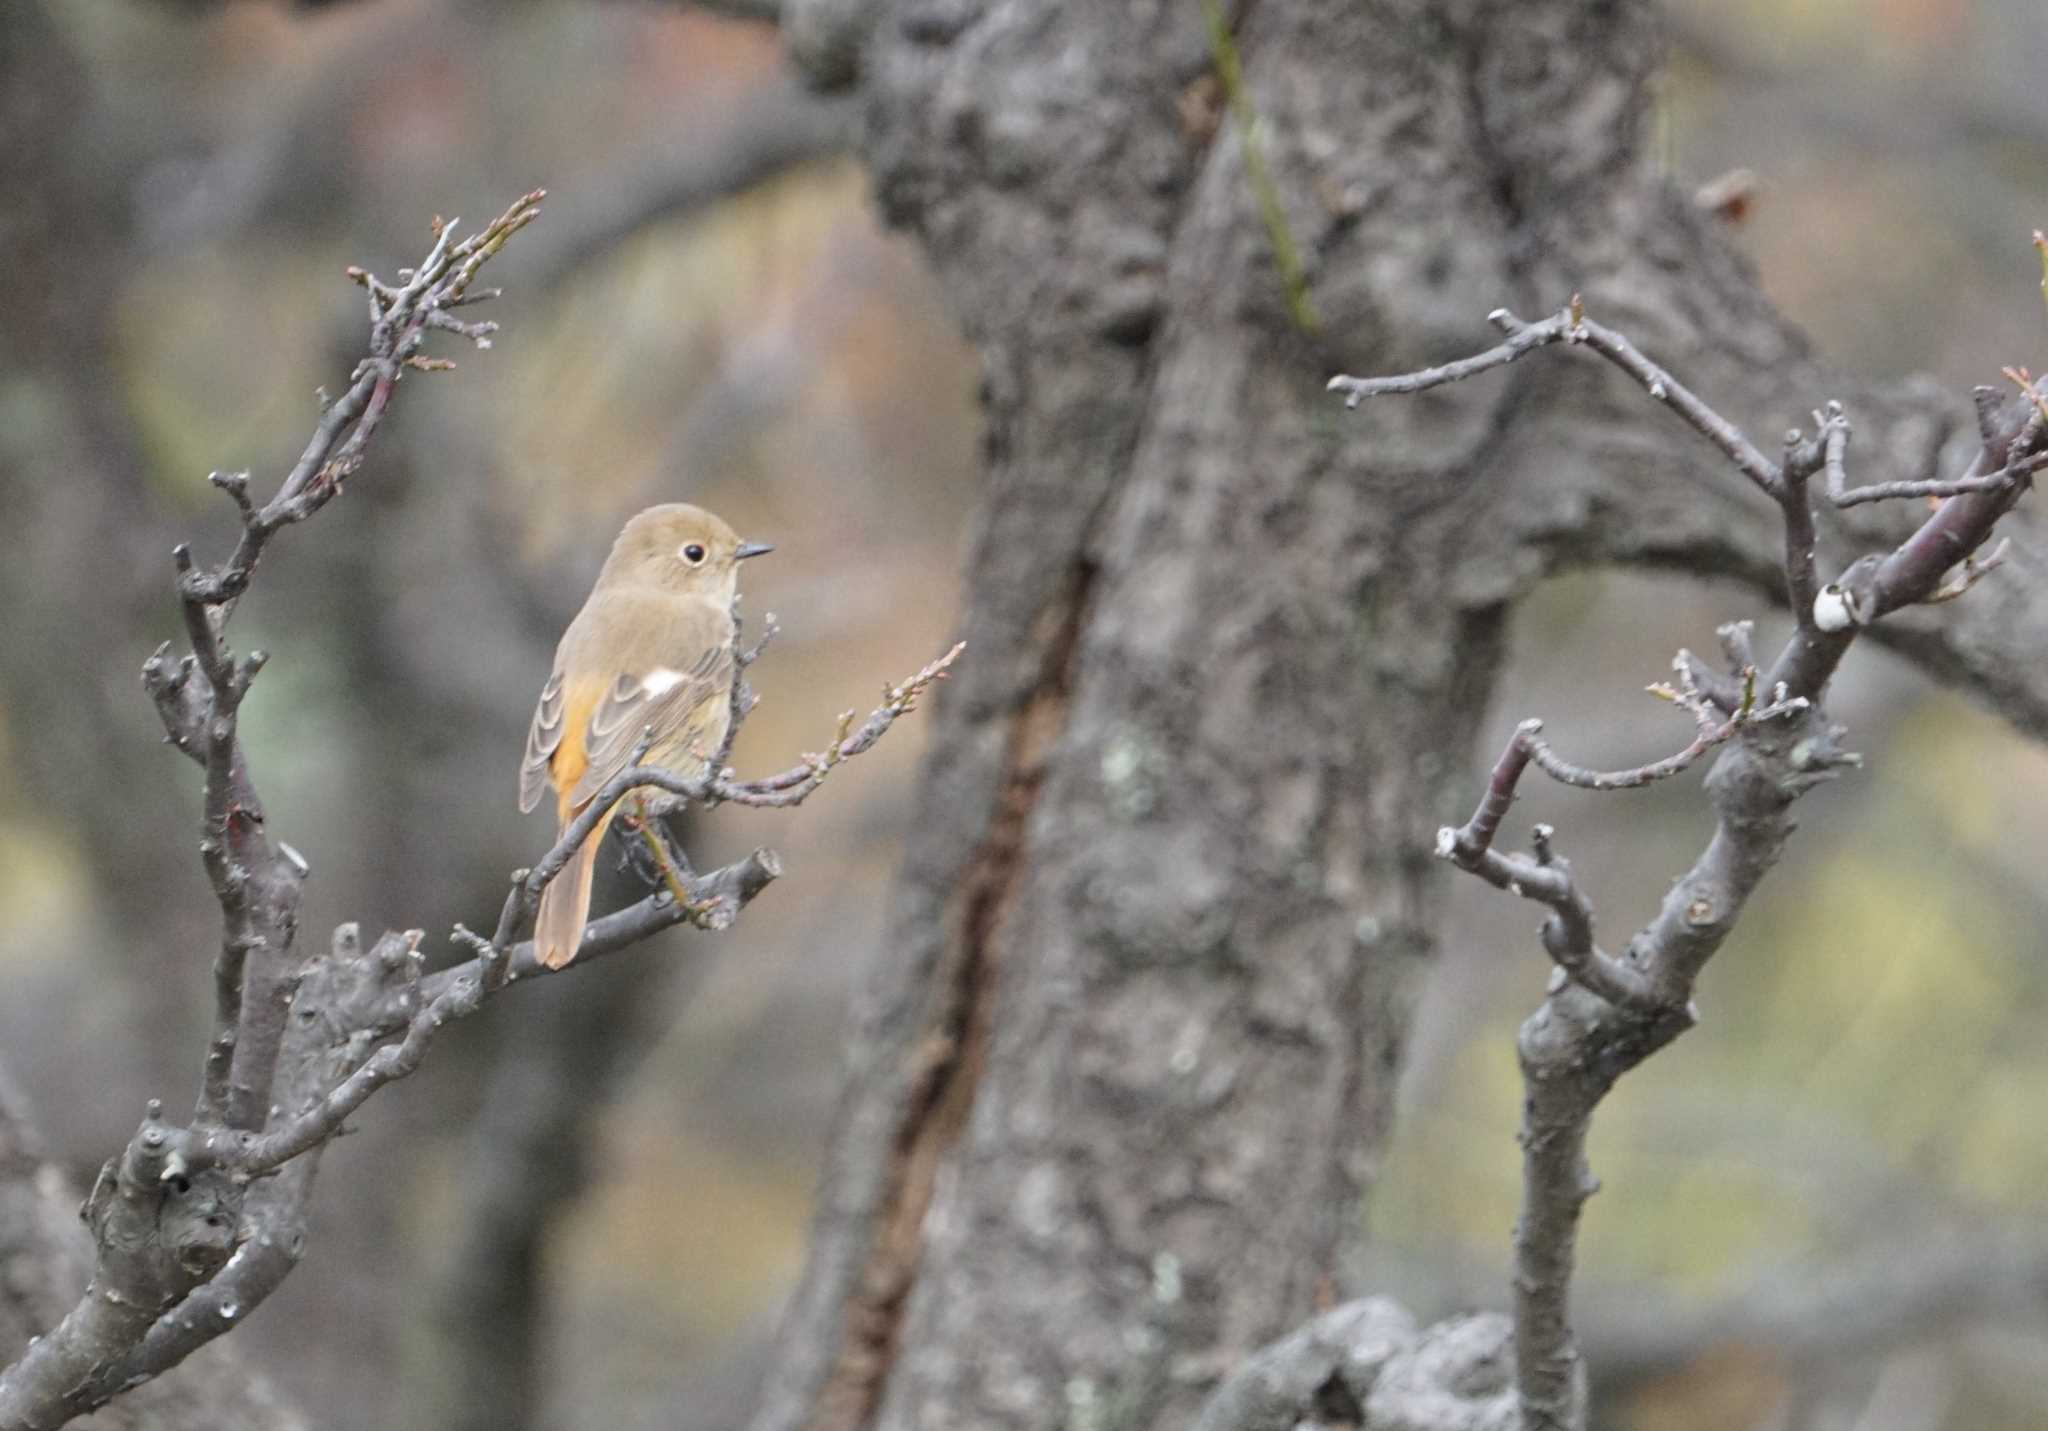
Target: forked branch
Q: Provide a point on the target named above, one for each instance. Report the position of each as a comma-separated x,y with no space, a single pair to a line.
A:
1605,1013
196,1223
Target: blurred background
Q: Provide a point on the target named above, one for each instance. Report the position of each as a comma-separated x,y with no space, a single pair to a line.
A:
708,311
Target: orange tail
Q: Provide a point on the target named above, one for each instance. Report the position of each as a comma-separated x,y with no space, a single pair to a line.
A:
565,903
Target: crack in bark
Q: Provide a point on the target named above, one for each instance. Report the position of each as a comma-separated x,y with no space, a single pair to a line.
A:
950,1060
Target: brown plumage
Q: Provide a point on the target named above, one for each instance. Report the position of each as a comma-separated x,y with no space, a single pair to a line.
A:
652,646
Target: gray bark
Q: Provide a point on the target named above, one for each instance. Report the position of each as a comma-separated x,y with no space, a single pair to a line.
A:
45,1258
1115,1096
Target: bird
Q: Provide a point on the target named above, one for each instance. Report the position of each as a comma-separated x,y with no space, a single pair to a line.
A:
649,655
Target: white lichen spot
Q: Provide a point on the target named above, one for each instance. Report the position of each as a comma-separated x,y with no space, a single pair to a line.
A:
1446,842
1120,762
1831,609
1132,773
1040,1206
1081,1396
1166,1284
1657,391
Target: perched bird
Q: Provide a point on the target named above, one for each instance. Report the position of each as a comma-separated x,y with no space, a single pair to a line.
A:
651,648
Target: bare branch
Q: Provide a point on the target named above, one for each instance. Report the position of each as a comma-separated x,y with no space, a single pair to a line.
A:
423,1007
1547,879
1835,434
742,696
1527,746
255,879
1572,326
1523,338
1802,459
709,901
411,1010
1974,569
794,785
1722,691
165,1214
1605,1014
1568,933
299,1047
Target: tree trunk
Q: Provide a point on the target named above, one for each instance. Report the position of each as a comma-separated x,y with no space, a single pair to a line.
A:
1121,1085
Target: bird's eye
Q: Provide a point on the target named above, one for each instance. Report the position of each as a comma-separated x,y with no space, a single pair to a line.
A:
693,554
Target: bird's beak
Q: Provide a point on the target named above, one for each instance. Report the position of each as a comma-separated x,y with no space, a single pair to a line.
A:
753,549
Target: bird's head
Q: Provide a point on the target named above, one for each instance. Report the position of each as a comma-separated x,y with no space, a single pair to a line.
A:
680,548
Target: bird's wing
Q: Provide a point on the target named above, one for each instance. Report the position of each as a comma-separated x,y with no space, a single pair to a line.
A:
541,739
687,706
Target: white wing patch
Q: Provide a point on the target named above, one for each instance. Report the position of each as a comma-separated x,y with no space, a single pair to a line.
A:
678,705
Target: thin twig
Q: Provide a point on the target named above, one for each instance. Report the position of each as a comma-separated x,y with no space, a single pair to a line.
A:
1528,740
1545,878
1802,459
794,785
1835,435
1572,326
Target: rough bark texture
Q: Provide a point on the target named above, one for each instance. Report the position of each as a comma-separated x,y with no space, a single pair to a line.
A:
1117,1091
45,1257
